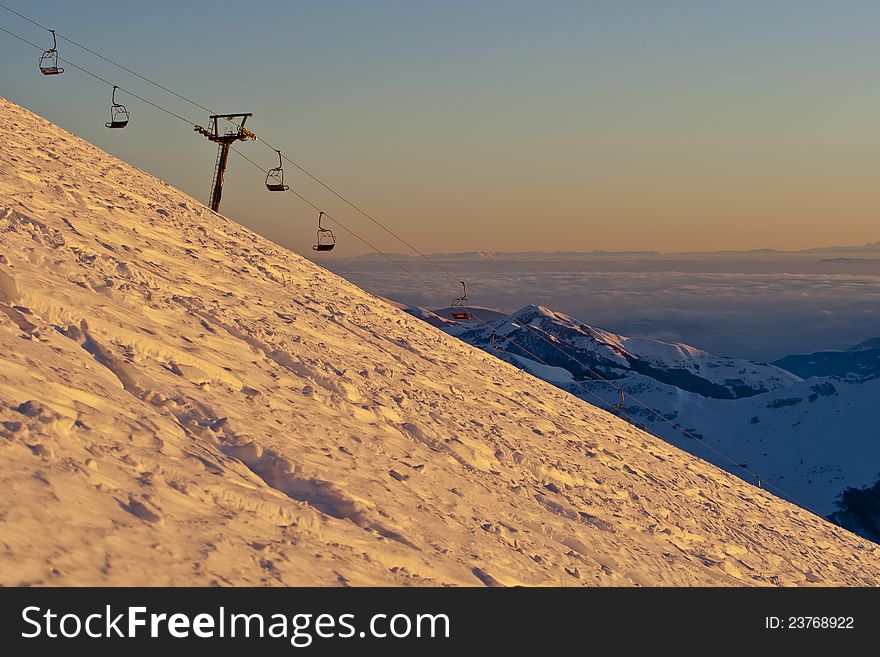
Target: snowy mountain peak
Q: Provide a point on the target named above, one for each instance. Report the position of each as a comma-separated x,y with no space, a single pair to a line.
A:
588,352
532,310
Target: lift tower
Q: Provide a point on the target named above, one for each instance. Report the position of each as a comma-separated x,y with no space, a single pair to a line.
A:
225,140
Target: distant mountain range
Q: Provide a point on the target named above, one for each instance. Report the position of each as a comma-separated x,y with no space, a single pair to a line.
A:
806,423
844,252
618,357
862,360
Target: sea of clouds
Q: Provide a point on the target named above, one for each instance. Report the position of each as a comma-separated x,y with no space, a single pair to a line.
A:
760,305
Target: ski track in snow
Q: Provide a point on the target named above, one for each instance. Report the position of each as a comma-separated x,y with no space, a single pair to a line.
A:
183,402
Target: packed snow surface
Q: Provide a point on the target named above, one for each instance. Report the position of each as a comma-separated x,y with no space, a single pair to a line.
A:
812,439
184,402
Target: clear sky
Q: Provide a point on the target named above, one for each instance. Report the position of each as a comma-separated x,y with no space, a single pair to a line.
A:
498,125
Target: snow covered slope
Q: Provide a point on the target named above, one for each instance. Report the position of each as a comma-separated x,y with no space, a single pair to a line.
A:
184,402
814,439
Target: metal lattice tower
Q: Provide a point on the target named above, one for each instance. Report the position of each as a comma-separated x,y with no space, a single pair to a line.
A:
225,141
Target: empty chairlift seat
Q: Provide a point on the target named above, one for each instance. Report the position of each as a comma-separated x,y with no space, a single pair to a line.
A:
275,177
49,59
326,241
119,116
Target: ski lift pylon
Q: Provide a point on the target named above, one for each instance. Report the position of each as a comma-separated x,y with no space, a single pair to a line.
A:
460,308
619,408
275,177
49,59
326,240
119,116
495,346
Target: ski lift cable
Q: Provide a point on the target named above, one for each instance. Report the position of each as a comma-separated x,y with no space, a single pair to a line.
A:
101,79
344,227
367,215
532,330
107,59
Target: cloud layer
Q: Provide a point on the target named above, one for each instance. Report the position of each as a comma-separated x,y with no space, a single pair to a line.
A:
759,314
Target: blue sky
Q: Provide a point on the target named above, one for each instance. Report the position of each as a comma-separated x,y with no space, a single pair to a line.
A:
498,125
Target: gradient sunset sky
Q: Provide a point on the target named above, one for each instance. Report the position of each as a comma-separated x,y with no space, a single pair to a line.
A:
497,125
